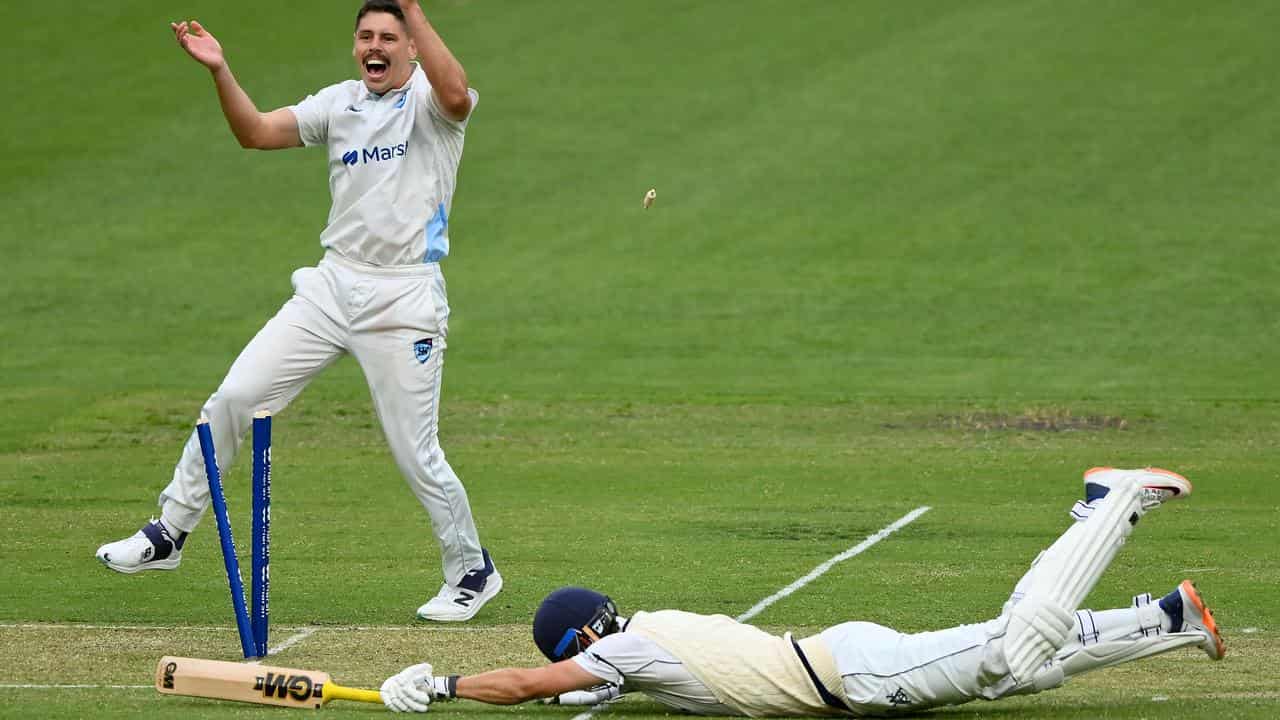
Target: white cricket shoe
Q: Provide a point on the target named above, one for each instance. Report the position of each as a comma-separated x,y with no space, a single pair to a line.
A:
456,603
151,548
1158,485
1189,614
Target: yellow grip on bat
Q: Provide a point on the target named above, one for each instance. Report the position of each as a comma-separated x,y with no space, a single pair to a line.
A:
338,692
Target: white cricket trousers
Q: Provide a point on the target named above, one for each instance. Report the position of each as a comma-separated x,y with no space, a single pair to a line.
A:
886,672
394,321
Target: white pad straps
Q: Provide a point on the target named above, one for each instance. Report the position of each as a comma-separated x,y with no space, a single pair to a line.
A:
1115,652
1150,617
1102,655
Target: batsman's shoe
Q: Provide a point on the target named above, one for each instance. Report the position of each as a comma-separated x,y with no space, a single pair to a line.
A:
1158,485
455,603
1188,613
151,548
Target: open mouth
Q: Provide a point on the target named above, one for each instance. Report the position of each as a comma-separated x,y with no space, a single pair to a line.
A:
376,68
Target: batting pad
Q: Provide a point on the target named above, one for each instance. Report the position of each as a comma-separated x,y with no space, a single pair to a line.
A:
1035,632
1041,621
1102,655
1116,652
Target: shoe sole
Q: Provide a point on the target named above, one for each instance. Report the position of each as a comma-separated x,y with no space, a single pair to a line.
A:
1170,480
131,569
483,600
1191,593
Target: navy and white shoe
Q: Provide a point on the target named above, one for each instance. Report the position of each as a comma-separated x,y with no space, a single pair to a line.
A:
455,603
1188,613
151,548
1159,486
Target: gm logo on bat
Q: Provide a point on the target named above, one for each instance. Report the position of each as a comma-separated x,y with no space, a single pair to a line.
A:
167,680
298,687
375,154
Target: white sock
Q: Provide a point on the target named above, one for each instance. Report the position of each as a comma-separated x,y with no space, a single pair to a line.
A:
179,536
1095,626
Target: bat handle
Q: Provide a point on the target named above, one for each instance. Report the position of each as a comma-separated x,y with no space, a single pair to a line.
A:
338,692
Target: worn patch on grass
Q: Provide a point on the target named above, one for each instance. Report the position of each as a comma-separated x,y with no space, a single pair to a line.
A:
1029,420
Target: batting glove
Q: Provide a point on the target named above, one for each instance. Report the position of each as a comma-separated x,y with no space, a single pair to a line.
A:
409,690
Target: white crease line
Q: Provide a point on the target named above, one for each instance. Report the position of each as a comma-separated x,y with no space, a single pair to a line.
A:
86,626
225,628
824,567
814,574
289,642
19,686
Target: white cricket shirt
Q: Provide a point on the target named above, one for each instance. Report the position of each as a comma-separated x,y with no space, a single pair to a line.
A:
393,166
637,663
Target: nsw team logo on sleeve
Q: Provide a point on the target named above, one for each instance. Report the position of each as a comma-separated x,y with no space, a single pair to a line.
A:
422,350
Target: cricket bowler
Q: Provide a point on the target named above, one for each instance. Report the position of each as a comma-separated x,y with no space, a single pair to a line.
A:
394,140
714,665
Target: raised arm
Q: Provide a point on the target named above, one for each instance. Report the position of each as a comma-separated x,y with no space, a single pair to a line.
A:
254,129
447,77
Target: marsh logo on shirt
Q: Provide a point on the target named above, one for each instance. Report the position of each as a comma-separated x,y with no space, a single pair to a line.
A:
422,350
375,154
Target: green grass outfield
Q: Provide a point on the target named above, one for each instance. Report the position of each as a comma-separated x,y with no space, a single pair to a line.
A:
903,254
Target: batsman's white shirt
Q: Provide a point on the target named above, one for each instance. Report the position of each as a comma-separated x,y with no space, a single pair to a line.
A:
393,165
705,665
637,663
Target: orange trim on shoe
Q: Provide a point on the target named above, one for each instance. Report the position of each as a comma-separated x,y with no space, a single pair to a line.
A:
1172,474
1189,589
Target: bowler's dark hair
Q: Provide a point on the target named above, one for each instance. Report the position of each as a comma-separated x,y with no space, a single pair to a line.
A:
386,6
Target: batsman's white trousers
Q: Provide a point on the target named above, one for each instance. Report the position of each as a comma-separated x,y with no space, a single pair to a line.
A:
885,671
394,321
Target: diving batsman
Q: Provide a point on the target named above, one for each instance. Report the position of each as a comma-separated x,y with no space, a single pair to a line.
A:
714,665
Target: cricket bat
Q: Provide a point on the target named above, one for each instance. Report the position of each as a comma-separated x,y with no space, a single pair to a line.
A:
263,684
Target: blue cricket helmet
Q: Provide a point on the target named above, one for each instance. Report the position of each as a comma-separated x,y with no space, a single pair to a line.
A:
570,619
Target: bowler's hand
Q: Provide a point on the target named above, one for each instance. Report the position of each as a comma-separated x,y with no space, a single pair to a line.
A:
409,690
199,44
